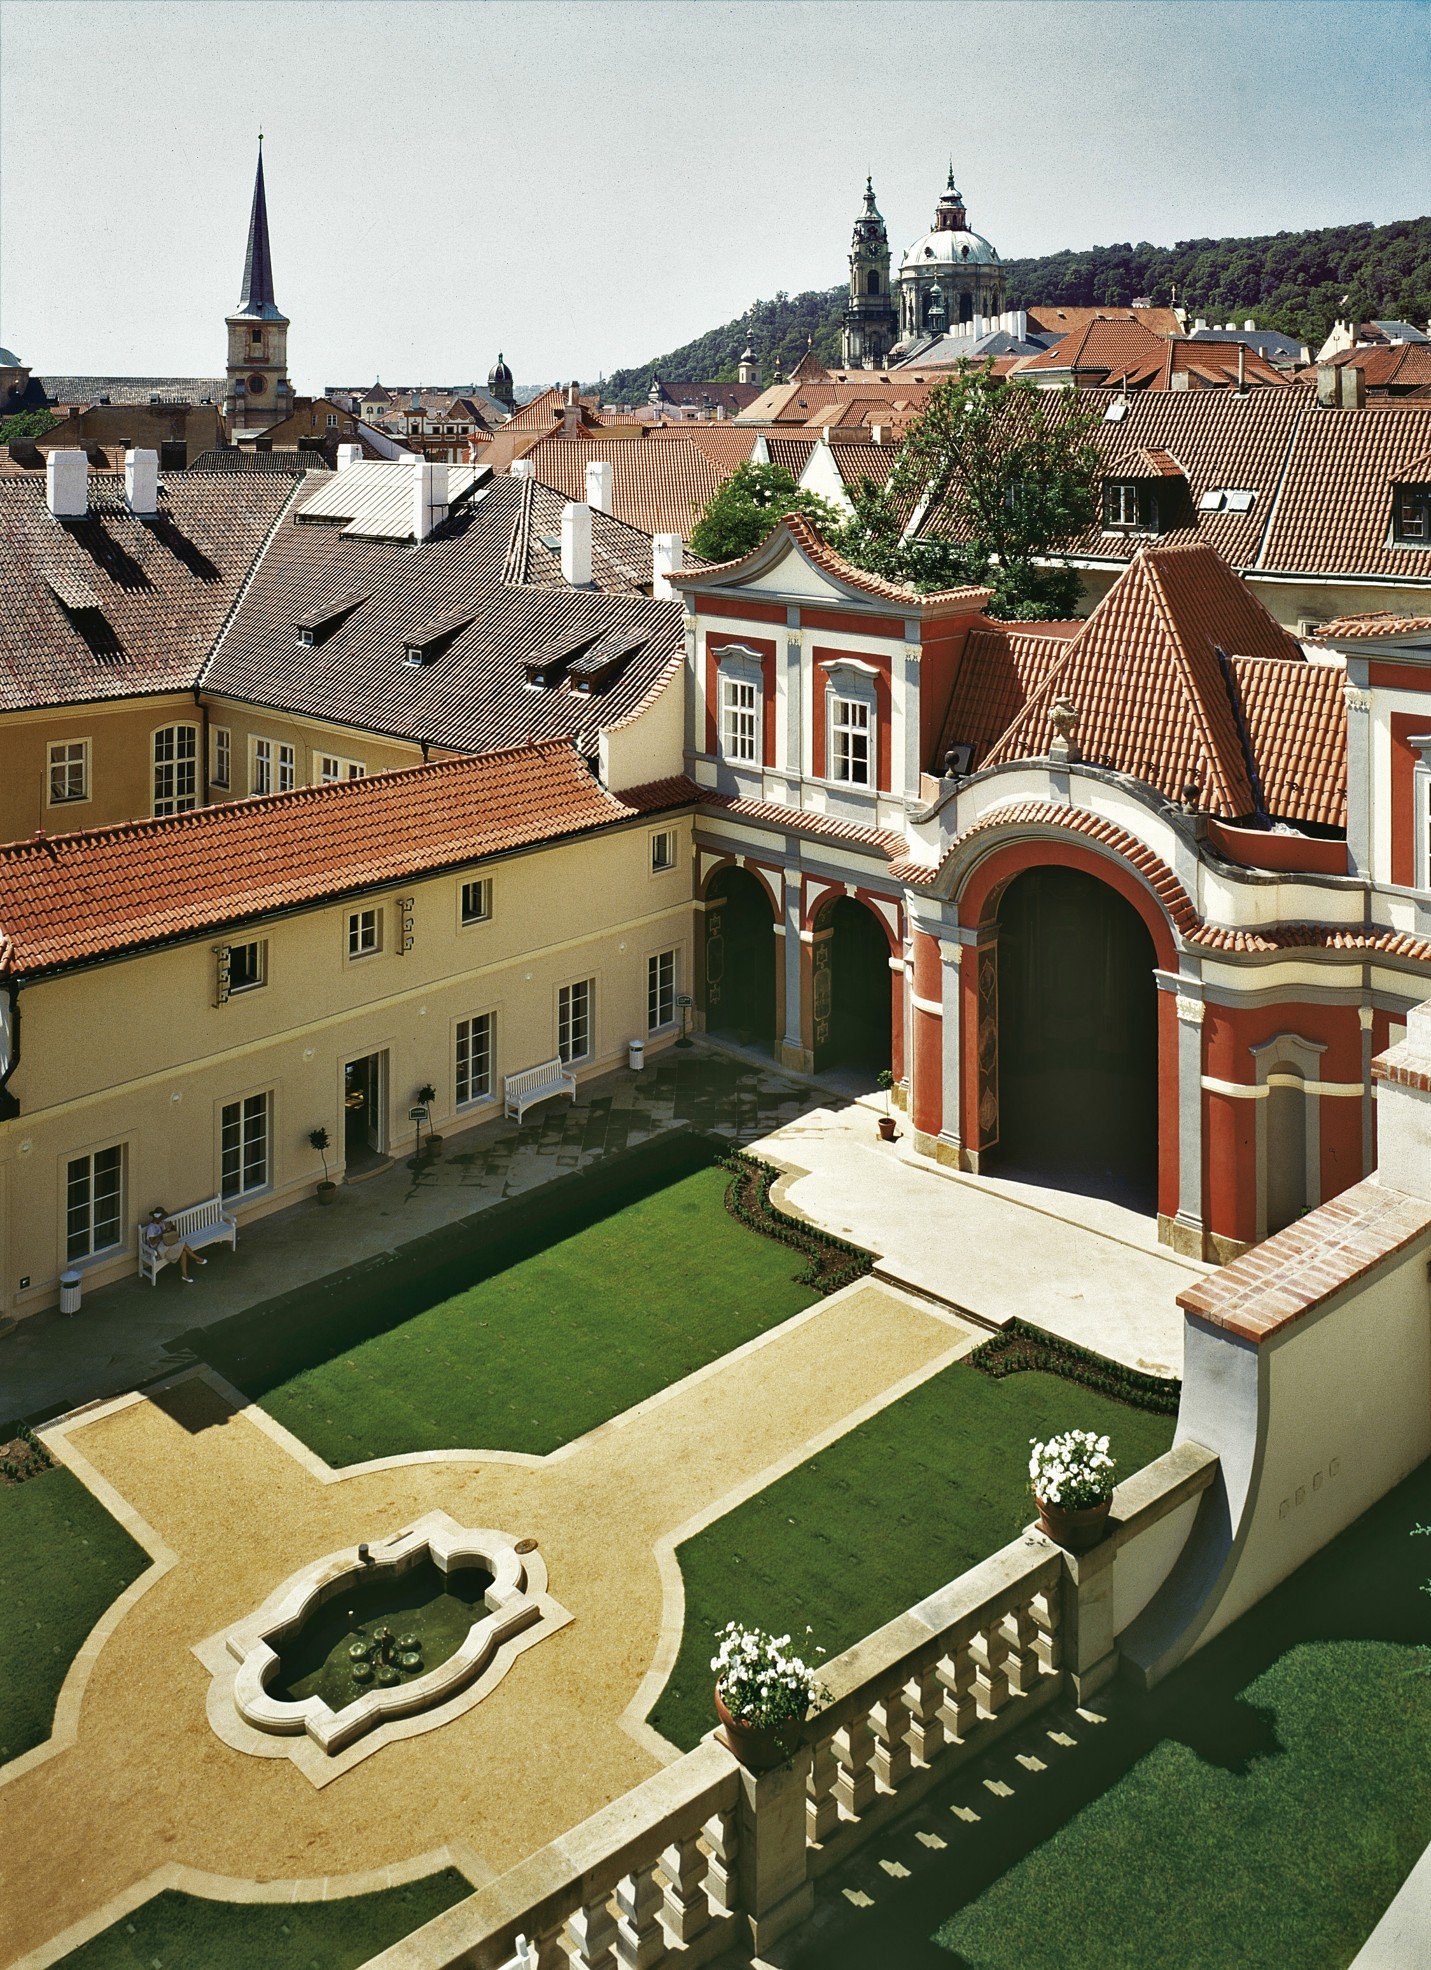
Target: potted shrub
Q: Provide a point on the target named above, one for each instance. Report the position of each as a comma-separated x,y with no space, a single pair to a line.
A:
1072,1479
427,1094
763,1695
886,1121
327,1189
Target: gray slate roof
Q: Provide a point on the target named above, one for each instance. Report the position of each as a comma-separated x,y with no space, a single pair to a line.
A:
134,389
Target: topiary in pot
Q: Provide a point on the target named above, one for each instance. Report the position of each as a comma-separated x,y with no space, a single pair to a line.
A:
327,1190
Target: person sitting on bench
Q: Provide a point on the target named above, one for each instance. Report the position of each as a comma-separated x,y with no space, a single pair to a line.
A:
161,1231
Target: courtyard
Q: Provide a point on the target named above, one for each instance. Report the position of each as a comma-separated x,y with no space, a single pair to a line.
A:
673,1405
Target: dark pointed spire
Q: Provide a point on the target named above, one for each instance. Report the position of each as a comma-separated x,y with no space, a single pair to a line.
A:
257,296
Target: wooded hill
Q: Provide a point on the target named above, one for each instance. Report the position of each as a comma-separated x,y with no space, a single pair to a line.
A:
1298,282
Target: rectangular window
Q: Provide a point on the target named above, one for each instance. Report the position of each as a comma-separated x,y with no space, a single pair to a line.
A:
260,778
574,1020
365,933
176,769
473,1077
1413,514
94,1204
248,966
1120,503
243,1145
477,900
287,769
331,767
660,991
740,720
223,756
850,723
663,851
69,771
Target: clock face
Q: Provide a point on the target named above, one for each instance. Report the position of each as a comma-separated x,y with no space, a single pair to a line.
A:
255,386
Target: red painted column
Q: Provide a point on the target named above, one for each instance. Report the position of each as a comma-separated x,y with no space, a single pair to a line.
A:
927,1106
1230,1131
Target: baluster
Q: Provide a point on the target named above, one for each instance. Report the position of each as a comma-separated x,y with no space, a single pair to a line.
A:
892,1760
991,1684
719,1834
822,1808
686,1910
960,1710
591,1934
855,1780
545,1952
1048,1618
640,1939
1019,1631
924,1695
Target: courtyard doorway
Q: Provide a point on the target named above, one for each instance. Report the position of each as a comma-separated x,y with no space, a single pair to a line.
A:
364,1143
1077,1038
851,990
740,960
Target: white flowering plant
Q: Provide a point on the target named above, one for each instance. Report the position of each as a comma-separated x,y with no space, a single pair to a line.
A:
1073,1471
760,1681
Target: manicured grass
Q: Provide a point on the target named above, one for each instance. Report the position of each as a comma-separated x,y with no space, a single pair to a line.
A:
187,1931
63,1560
889,1512
524,1326
1258,1810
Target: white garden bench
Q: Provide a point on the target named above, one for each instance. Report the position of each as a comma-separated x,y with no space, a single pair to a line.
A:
523,1091
201,1224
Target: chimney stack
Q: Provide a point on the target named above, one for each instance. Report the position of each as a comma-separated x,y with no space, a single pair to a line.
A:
1242,369
67,484
667,552
522,468
1353,386
141,481
429,496
348,455
573,394
598,484
576,544
876,434
1327,385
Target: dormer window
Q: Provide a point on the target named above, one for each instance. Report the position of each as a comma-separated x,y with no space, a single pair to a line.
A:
321,620
1411,516
1121,504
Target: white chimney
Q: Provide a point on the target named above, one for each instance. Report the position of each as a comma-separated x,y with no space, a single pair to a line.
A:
141,481
876,434
1199,325
667,553
522,468
429,496
576,544
598,484
67,484
1249,323
349,455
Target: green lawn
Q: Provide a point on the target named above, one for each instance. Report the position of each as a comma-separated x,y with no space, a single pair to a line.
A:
524,1326
63,1560
1258,1810
188,1932
889,1512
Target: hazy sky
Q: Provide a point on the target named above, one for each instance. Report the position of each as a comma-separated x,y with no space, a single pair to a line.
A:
586,185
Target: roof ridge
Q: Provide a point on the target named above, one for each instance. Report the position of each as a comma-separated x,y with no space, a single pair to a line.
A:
1185,660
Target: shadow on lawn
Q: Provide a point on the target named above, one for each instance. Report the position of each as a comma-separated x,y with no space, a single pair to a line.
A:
1364,1587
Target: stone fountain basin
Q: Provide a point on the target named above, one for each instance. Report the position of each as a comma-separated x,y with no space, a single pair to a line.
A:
513,1603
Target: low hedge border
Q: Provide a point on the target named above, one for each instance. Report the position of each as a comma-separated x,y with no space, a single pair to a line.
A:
1019,1346
830,1262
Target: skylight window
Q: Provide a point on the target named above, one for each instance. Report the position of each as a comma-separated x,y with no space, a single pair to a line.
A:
1116,411
1226,499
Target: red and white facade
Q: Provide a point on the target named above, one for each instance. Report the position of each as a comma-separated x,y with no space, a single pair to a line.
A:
1283,958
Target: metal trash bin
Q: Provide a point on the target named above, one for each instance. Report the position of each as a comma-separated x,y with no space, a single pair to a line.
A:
636,1055
71,1286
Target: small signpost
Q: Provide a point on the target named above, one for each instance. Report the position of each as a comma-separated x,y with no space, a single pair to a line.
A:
684,1001
419,1113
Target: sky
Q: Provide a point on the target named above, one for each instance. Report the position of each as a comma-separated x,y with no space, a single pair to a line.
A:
587,185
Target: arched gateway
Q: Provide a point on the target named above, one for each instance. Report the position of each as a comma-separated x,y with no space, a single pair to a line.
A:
740,959
851,989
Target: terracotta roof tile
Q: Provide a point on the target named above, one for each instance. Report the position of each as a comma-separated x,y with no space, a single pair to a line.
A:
799,820
1378,623
1295,715
1333,515
817,549
660,486
67,900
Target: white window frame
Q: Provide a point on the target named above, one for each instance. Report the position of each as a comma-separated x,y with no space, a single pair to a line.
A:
740,725
1412,524
1420,743
576,1020
88,1158
256,1106
287,778
260,768
259,944
469,1089
664,851
64,756
663,979
364,932
853,723
221,771
181,787
330,767
1127,492
479,890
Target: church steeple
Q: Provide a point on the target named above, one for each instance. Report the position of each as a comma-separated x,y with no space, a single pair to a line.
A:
869,326
258,394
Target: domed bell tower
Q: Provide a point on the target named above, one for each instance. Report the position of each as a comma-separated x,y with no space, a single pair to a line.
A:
869,325
258,392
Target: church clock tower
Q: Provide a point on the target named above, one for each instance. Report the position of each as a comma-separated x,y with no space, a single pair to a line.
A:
258,392
869,326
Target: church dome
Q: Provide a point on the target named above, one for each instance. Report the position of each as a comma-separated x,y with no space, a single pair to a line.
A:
499,377
949,248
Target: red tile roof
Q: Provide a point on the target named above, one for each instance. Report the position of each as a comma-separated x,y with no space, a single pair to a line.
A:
818,551
661,486
1379,622
68,900
800,820
1333,512
1295,717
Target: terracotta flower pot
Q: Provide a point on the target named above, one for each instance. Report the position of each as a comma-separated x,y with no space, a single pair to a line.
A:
887,1127
1077,1530
759,1747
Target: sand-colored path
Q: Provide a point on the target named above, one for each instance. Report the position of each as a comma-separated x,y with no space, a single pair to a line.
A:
135,1779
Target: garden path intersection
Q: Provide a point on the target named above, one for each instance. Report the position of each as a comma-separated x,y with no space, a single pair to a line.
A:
134,1781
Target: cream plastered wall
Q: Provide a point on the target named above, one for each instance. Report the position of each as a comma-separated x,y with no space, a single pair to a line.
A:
138,1052
120,736
308,736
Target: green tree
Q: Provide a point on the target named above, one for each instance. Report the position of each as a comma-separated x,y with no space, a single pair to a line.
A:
991,479
743,511
26,424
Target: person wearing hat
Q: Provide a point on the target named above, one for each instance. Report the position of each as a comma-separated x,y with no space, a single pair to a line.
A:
160,1232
